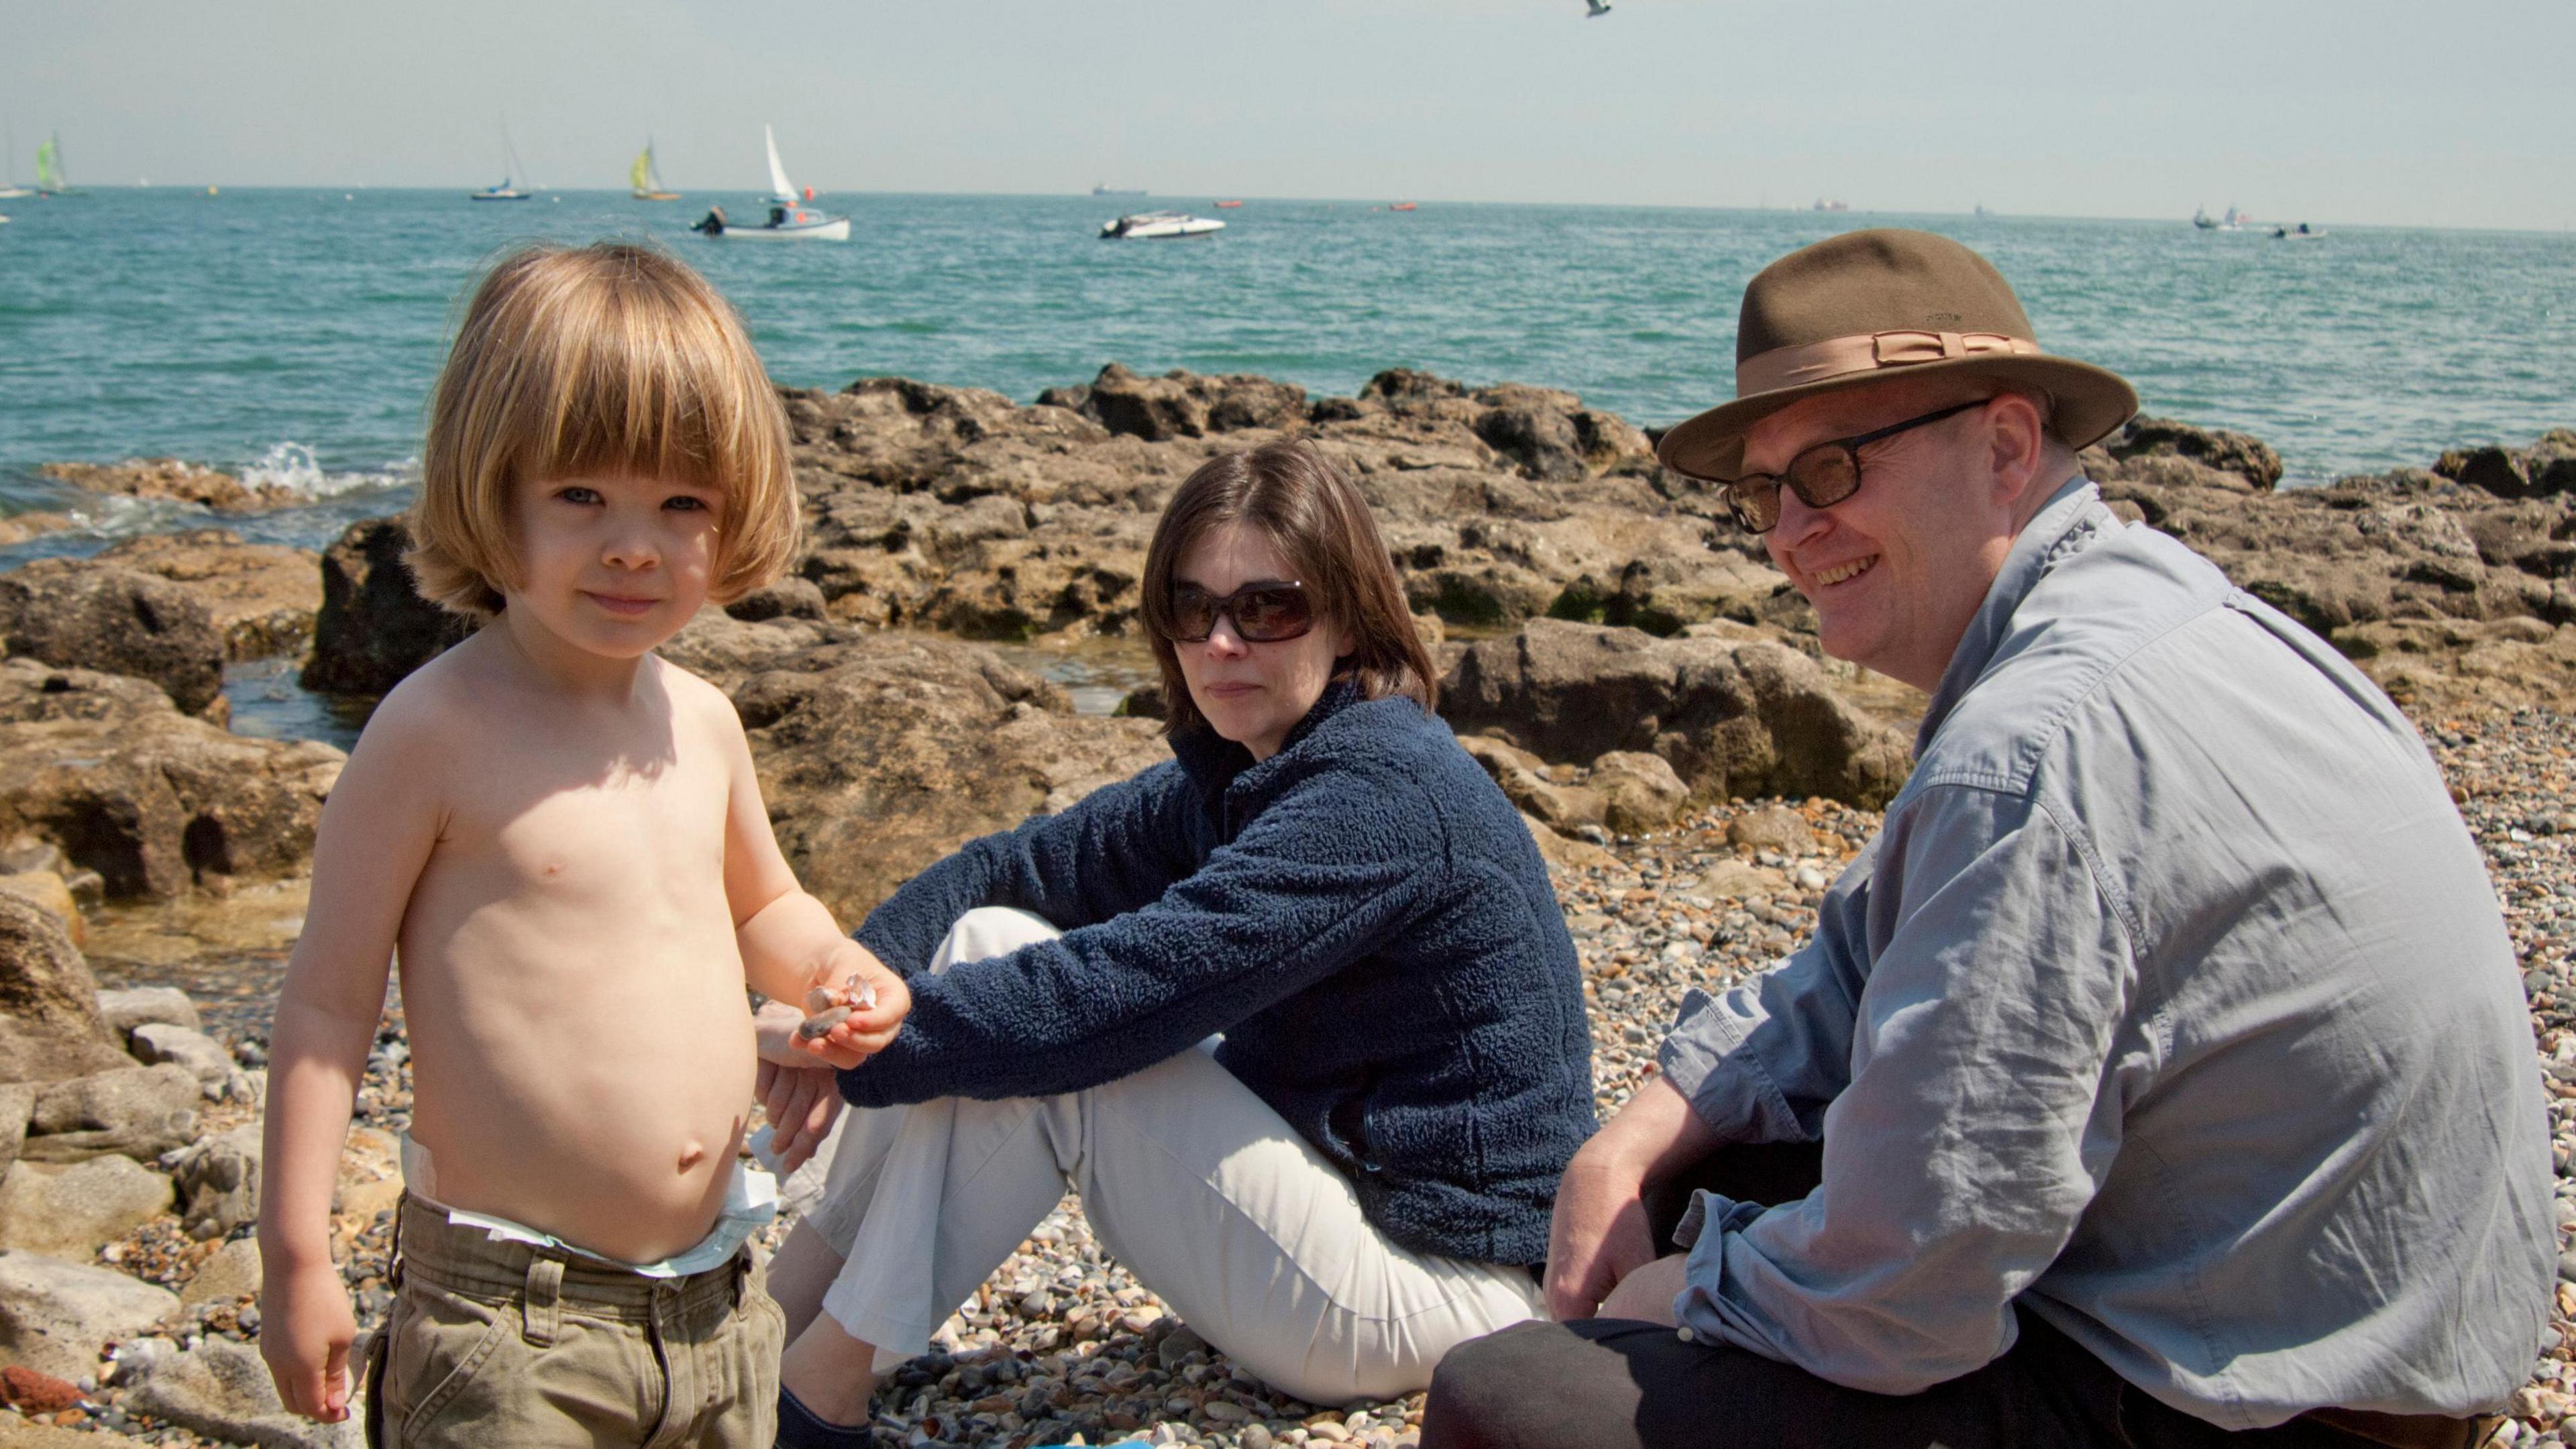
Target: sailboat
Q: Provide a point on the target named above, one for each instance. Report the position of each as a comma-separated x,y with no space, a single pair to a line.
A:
50,178
789,218
506,191
10,190
646,179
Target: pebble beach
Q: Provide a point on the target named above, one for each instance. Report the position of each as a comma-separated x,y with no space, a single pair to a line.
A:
1063,1346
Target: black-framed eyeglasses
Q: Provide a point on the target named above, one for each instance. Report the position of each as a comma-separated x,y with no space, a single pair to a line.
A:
1267,611
1821,476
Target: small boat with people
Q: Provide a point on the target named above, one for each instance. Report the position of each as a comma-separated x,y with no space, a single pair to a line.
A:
790,219
1158,226
2301,232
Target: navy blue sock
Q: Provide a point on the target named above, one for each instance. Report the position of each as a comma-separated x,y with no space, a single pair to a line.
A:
801,1428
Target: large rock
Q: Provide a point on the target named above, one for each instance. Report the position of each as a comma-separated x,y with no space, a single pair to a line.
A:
106,769
229,1274
17,1104
80,613
262,596
49,1021
1731,718
374,627
221,1390
127,1008
881,752
50,893
2249,460
139,1112
72,1212
217,1180
1185,405
202,1055
174,479
58,1317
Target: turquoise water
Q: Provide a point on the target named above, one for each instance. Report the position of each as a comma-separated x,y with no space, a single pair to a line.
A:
293,334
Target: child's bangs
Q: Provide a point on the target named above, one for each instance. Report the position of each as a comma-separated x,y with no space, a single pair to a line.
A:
636,394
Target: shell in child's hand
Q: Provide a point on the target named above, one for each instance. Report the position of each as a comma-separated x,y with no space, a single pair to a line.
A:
862,992
820,1024
819,999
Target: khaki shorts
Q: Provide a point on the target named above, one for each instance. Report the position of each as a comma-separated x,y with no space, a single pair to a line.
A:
504,1344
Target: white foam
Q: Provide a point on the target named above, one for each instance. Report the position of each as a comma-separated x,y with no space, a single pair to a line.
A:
293,467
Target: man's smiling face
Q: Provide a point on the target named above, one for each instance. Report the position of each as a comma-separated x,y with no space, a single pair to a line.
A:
1898,569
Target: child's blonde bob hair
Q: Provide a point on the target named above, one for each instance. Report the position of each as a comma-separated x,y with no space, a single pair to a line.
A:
582,362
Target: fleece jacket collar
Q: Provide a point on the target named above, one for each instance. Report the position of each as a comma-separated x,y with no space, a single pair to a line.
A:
1215,763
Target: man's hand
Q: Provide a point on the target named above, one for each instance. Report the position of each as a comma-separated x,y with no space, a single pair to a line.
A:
305,1329
1597,1237
802,1102
1599,1234
872,1000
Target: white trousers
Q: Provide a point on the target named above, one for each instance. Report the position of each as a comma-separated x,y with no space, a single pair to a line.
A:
1188,1178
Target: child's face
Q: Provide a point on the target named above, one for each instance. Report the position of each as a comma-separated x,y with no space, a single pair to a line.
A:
613,565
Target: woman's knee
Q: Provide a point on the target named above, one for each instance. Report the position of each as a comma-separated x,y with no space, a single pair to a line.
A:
1524,1386
988,931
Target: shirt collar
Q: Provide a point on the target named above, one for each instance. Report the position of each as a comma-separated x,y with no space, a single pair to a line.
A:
2064,523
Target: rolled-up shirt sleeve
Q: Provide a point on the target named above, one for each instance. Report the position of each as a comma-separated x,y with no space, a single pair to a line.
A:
1980,1111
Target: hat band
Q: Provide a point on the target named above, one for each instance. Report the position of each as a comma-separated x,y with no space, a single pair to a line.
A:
1785,367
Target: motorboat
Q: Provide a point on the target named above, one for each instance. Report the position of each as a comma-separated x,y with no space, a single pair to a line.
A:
2301,232
790,219
1402,206
1227,205
1158,226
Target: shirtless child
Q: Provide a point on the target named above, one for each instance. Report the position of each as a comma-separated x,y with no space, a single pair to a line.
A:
562,837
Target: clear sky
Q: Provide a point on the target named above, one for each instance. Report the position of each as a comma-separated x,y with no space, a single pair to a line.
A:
2351,111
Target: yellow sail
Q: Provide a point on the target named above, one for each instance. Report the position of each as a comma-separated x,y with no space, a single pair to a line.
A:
640,175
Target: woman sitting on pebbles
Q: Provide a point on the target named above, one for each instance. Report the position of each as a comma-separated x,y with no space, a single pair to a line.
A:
1295,1012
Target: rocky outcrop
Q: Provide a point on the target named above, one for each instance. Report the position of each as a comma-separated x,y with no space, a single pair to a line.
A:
108,771
373,626
174,479
217,1180
79,613
879,753
49,1019
262,595
1730,717
2448,586
954,509
221,1390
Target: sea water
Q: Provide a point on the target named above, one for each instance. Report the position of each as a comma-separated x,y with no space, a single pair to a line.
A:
291,336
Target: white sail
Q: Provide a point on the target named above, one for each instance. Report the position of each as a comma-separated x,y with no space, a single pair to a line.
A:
779,185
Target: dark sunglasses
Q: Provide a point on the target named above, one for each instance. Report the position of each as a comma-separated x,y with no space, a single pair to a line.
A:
1269,612
1821,476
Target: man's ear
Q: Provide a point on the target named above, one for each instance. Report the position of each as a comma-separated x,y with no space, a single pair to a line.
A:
2017,442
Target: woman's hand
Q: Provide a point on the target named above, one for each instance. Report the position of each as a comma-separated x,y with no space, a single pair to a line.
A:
872,1001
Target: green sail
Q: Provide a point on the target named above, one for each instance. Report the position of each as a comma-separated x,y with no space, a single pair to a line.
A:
49,175
641,173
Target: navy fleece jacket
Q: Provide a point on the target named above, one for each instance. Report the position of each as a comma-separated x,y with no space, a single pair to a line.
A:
1363,915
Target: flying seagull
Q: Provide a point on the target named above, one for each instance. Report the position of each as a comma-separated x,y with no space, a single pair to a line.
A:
1599,7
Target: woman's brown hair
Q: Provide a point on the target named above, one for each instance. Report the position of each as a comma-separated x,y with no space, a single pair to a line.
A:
589,360
1312,514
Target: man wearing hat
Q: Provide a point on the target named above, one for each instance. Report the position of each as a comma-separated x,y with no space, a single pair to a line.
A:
2159,1075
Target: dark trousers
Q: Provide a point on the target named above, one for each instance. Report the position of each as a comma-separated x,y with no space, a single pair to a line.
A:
1607,1383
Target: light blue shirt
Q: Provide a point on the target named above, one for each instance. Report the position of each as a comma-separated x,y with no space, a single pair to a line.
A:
2173,1001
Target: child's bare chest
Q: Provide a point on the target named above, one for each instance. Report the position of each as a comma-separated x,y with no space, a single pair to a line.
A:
649,831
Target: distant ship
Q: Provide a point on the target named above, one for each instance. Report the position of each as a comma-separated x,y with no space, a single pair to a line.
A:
1105,189
1824,205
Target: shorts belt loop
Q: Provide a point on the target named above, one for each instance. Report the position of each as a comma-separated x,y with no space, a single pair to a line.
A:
538,1308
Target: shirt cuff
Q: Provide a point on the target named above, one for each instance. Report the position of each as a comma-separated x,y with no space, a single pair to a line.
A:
1703,1058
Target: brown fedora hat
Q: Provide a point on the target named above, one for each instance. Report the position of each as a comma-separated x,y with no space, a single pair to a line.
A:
1870,305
